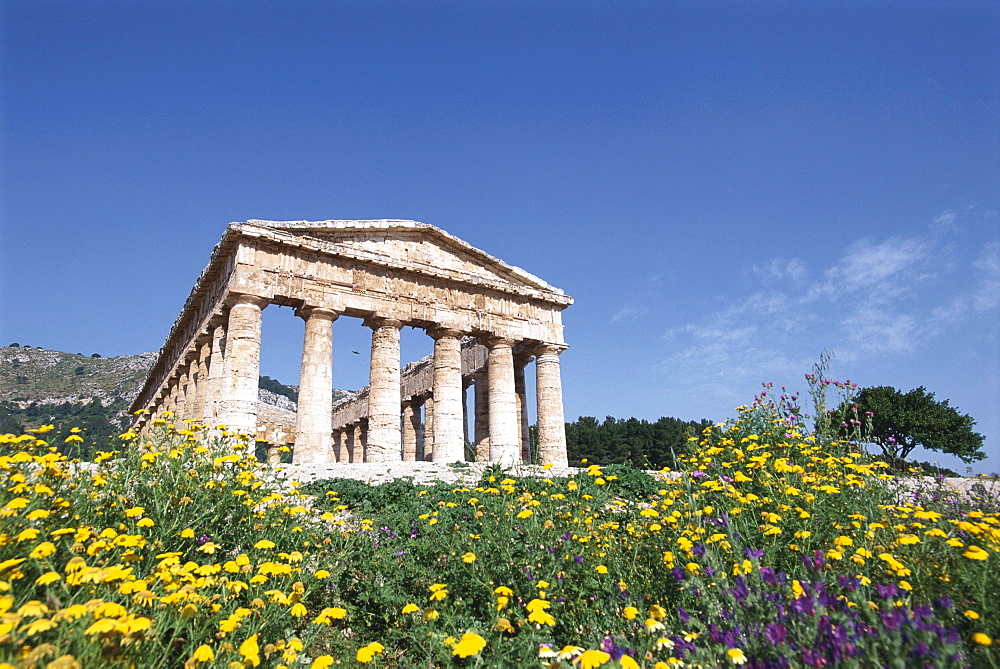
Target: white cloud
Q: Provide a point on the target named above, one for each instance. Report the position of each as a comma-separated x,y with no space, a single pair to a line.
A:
945,222
780,269
629,312
878,270
988,265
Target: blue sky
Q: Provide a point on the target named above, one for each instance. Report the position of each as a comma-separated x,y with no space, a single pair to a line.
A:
727,189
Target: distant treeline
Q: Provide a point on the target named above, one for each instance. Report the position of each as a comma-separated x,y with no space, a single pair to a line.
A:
630,441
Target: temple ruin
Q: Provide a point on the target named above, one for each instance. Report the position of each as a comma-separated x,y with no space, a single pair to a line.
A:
488,319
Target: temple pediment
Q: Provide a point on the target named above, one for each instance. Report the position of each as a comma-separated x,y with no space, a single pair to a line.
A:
420,247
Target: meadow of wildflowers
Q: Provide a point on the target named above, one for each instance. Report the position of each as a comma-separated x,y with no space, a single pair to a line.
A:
773,547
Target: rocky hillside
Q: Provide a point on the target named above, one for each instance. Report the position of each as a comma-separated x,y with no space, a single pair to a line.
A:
41,376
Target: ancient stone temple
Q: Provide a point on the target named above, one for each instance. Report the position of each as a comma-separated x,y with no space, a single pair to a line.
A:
489,320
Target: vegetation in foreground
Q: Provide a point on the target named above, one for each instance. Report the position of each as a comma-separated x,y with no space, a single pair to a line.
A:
773,547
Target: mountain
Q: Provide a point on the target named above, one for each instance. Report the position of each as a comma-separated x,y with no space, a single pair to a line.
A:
43,387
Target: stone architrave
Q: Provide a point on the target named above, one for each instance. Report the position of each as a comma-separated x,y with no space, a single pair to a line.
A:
481,419
242,364
213,385
410,428
384,435
521,397
505,442
449,446
313,424
551,425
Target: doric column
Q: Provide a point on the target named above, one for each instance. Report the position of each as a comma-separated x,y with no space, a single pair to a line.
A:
427,434
241,374
204,353
314,419
551,425
481,420
449,445
505,443
213,386
521,397
182,390
352,437
384,437
411,425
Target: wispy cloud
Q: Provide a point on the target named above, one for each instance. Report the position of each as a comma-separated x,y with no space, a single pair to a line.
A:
881,298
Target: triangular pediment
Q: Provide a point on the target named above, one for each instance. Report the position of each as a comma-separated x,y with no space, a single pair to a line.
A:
409,244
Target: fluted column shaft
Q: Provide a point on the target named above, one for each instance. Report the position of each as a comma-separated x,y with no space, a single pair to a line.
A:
213,385
384,435
204,347
314,420
505,443
521,398
241,374
427,435
449,445
182,389
481,415
411,425
551,424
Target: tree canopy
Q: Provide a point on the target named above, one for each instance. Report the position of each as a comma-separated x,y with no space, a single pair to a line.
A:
902,421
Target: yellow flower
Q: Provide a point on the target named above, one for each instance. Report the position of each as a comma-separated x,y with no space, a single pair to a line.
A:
48,577
410,608
250,650
982,639
203,653
298,610
971,614
630,612
628,663
187,533
469,645
135,512
321,574
264,543
322,662
592,658
469,557
601,569
44,549
736,656
975,553
368,653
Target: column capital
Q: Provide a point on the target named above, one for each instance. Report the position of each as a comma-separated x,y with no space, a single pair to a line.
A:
444,332
234,299
548,348
306,312
376,322
493,341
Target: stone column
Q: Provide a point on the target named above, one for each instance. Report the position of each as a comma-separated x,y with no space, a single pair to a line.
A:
551,425
241,373
481,420
182,389
204,348
505,442
213,385
449,445
335,445
427,435
314,419
521,398
352,435
411,425
384,435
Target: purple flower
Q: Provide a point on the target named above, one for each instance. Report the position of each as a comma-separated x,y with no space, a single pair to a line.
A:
753,553
775,634
683,615
886,591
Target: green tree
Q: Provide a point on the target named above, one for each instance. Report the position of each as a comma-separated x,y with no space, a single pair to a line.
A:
902,421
